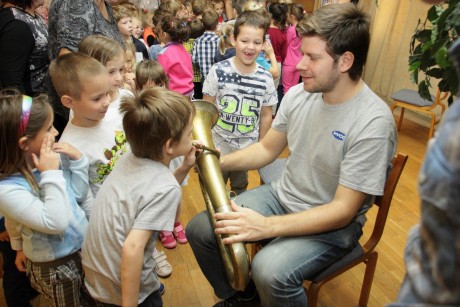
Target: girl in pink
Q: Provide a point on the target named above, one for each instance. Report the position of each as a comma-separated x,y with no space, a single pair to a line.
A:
290,75
176,61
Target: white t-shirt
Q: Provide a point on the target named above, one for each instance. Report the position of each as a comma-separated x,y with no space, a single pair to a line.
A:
102,144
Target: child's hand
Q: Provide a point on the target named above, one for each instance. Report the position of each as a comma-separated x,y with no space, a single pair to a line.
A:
4,236
130,78
48,159
68,150
20,261
190,158
268,48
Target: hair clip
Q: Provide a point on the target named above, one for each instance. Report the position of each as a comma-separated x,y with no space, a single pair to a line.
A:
26,107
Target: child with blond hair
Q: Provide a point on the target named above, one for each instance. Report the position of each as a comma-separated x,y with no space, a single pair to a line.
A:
226,47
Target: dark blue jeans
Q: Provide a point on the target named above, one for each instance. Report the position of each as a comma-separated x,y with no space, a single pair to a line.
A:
279,269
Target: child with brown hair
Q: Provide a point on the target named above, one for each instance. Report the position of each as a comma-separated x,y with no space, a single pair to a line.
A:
244,94
150,74
124,14
128,210
219,7
39,197
174,58
291,75
196,30
206,45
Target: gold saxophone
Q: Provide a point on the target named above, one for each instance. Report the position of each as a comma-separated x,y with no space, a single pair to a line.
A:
234,256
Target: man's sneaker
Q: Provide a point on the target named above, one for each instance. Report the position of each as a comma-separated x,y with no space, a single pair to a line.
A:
237,300
162,266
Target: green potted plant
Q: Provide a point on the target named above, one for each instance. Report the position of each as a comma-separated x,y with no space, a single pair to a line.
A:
429,49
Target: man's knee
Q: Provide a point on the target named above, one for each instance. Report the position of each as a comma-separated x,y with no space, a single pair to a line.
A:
199,229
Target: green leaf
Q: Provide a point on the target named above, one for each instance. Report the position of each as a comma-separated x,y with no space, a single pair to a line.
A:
435,73
442,58
423,36
414,76
432,14
423,90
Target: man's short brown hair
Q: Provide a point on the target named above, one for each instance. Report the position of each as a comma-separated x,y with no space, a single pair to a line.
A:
344,27
153,117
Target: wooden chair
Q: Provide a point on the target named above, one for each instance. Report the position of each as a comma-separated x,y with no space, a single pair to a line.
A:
410,99
364,253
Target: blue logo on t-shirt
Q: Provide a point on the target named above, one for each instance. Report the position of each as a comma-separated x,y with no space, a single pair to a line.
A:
338,135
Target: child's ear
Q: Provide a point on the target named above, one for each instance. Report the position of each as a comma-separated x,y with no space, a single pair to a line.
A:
67,101
23,143
169,147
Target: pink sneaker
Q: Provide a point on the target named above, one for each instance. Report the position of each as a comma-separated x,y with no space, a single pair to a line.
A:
167,239
179,233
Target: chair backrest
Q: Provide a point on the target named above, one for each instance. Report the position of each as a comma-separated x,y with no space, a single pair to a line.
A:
383,202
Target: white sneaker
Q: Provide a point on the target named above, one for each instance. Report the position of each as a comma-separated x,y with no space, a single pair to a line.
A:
162,267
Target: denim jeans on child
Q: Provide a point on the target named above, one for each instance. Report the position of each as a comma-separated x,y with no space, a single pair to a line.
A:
280,268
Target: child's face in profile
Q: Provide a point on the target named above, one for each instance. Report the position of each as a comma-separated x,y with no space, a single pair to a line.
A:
183,146
248,45
47,130
125,26
219,8
116,68
94,101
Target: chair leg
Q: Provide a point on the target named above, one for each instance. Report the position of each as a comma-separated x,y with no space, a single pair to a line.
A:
433,122
312,294
368,278
401,116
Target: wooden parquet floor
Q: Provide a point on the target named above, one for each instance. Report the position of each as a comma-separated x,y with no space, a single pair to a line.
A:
188,287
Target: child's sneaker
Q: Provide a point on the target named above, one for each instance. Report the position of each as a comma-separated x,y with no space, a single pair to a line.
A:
162,267
167,239
179,233
162,289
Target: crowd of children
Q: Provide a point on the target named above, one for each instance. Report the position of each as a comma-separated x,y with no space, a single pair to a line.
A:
50,188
